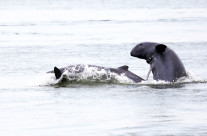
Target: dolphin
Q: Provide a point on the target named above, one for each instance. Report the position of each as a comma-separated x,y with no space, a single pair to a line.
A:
95,72
164,62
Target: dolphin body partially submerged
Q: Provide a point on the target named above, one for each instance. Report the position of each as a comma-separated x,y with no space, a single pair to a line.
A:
94,72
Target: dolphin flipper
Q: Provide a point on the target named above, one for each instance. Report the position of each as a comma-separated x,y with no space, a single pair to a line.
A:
150,70
57,72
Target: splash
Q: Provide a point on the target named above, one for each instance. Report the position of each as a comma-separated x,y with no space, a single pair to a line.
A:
189,79
93,75
86,75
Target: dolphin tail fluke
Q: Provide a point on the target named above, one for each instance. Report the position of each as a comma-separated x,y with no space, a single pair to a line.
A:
57,72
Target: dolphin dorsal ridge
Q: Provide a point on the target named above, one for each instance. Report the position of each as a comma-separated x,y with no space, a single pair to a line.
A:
125,67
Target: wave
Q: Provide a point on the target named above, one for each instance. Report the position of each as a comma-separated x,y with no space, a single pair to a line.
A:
182,19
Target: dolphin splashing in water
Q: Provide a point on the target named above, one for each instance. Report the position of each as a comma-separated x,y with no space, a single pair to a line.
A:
92,72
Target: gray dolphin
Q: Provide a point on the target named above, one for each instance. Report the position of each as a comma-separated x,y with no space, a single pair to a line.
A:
164,62
80,69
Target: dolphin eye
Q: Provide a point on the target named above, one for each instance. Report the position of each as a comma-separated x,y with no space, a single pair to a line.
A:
141,45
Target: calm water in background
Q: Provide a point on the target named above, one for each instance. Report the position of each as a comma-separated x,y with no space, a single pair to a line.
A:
35,36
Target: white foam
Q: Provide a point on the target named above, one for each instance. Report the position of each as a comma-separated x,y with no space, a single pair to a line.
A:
190,78
88,75
95,75
44,80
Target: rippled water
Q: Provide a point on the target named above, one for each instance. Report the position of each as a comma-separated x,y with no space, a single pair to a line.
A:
35,36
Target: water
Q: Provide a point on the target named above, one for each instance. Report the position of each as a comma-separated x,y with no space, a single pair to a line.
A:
37,35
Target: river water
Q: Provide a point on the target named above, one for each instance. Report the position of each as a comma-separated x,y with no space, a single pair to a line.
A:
37,35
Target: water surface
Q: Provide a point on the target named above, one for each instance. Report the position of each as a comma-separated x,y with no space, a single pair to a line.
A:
35,36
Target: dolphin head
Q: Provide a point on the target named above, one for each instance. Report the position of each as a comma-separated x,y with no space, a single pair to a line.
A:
145,50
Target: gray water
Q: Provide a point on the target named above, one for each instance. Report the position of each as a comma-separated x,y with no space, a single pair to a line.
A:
37,35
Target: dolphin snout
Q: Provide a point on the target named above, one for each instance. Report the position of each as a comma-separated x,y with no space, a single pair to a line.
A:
132,53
